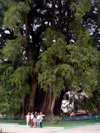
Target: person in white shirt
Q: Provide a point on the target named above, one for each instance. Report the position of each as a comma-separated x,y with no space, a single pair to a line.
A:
27,119
38,120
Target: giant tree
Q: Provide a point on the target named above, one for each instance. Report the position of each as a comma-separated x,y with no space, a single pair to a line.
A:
50,52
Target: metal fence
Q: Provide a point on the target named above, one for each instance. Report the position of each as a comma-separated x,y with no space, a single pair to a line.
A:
8,118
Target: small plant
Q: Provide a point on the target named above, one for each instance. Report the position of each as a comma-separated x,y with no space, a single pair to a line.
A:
55,119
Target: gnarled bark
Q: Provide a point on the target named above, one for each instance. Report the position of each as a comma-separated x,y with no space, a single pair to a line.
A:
45,101
33,86
58,102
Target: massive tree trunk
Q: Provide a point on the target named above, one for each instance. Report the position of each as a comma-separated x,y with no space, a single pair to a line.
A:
38,100
33,86
45,101
23,108
48,103
58,102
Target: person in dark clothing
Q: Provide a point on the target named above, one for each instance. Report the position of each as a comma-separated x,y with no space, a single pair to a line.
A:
35,118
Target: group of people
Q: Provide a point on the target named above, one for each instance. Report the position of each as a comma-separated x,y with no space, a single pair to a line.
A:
35,118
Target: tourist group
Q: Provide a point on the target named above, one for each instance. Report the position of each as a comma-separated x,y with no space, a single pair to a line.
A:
35,118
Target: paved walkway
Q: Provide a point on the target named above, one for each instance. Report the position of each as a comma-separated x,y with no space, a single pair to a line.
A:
17,129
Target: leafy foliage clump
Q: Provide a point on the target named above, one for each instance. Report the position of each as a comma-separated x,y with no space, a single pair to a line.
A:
16,14
64,66
55,119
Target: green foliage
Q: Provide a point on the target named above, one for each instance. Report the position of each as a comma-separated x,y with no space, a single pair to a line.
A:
14,48
16,14
51,36
77,29
80,8
1,13
19,80
55,119
58,68
14,87
14,69
52,67
8,3
85,59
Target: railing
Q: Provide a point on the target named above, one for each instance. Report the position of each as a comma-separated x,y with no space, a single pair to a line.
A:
49,118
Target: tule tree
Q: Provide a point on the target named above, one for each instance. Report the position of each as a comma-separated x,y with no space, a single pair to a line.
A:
48,51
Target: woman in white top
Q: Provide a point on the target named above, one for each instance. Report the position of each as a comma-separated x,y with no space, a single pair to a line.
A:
27,119
38,120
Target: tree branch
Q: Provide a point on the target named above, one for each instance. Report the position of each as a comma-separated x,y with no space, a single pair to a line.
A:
52,19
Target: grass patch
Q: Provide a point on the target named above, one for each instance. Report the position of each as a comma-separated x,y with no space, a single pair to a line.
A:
67,124
49,124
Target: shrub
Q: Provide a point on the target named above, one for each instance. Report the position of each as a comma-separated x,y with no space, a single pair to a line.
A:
55,119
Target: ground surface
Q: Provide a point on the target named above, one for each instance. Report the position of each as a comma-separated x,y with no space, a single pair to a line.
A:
19,129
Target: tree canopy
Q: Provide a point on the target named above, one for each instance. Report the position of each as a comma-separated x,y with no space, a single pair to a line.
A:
48,46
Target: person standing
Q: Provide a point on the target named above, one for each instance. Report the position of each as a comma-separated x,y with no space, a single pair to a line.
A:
41,119
27,119
31,119
35,119
38,120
